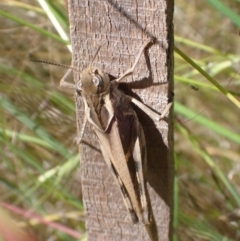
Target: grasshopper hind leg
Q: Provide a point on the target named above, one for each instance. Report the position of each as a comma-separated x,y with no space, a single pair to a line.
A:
140,159
125,196
127,202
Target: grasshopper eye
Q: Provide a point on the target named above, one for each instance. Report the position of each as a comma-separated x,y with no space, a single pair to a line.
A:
97,80
79,85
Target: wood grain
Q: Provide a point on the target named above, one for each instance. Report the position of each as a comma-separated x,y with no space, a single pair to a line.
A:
121,27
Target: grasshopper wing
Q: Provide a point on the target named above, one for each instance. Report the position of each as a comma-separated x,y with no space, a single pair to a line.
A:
124,150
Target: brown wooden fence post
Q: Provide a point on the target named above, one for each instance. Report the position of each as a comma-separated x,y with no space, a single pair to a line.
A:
121,27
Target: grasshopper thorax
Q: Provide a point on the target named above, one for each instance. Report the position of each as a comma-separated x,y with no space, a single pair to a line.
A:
93,82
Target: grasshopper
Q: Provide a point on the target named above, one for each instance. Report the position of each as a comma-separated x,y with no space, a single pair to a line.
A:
119,132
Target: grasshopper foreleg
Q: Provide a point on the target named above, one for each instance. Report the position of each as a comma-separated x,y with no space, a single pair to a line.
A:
64,83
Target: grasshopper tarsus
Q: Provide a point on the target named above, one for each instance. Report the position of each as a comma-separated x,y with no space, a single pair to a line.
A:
134,216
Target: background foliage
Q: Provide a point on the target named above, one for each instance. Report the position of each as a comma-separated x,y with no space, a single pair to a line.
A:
39,159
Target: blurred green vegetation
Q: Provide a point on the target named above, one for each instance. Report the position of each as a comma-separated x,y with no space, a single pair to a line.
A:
37,126
39,159
207,130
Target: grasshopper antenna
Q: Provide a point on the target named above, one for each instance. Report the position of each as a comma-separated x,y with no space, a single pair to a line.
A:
95,55
56,64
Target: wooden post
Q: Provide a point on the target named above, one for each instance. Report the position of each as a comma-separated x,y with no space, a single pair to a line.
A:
121,27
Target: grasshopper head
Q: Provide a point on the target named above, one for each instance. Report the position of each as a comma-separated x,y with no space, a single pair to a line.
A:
93,81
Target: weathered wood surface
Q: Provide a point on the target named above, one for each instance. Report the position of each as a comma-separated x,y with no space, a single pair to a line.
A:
121,27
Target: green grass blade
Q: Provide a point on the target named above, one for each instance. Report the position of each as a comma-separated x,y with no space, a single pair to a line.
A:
8,106
208,159
198,118
60,170
60,13
33,27
225,10
24,6
194,44
176,205
208,77
52,16
26,138
201,229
